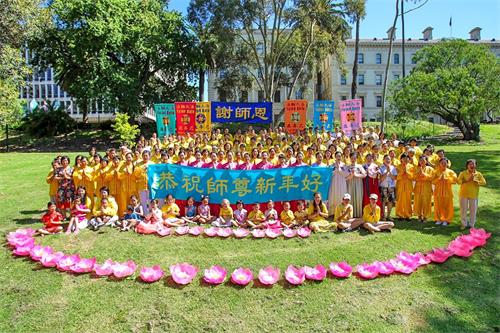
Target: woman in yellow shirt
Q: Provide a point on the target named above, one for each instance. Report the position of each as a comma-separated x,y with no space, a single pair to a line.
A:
127,179
84,176
318,213
443,194
422,193
470,179
141,176
404,188
371,217
53,183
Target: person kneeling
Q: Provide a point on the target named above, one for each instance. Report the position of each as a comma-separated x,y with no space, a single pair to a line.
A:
343,215
371,217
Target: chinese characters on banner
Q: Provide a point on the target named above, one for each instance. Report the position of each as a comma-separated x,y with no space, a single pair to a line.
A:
351,113
295,183
295,115
186,117
203,116
230,112
323,114
165,119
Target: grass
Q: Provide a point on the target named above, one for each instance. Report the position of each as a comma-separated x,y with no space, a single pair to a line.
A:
412,129
457,296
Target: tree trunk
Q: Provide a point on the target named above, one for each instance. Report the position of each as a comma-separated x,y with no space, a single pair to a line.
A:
355,66
84,108
201,85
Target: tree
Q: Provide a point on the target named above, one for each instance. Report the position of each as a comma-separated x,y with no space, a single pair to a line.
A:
357,12
124,131
124,53
455,80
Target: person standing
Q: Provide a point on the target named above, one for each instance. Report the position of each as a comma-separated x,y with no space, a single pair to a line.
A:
470,179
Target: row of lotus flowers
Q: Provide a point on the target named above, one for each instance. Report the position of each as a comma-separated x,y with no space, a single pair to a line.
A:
23,244
237,233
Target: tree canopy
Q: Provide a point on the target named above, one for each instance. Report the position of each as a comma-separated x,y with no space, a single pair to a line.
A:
454,79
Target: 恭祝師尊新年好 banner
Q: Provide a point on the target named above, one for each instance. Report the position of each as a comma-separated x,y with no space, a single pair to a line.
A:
295,115
185,117
294,183
203,117
233,112
351,113
323,114
165,119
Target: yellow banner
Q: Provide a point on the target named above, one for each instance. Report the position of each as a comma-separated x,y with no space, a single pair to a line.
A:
203,117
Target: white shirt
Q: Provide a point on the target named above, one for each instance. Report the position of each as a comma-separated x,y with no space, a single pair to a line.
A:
388,181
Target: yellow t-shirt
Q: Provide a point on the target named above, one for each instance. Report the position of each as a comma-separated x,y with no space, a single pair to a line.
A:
300,216
287,217
470,190
170,210
226,213
369,216
310,211
339,211
252,216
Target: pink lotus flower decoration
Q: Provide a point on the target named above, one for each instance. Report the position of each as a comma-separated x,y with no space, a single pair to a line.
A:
211,232
105,269
67,261
28,232
22,241
316,273
471,241
439,255
289,233
50,259
258,233
164,231
295,275
183,273
273,233
269,275
341,269
224,232
123,270
84,266
304,232
38,251
459,248
480,233
196,231
182,230
151,274
242,276
367,271
241,233
215,275
384,268
23,251
403,266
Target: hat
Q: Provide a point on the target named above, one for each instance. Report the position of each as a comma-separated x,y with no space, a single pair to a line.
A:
374,196
346,196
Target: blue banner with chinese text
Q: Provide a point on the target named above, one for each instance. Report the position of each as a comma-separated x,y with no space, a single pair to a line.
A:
323,115
294,183
232,112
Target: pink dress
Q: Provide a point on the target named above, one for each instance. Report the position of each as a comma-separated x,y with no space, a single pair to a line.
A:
272,221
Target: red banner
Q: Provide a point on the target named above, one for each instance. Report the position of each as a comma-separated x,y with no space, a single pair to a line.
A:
185,117
295,115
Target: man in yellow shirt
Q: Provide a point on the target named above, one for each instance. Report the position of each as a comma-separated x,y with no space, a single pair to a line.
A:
469,180
371,217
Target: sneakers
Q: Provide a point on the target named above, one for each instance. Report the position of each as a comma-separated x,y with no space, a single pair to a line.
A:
444,224
438,222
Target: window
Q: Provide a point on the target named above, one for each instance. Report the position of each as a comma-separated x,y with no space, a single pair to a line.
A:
260,96
49,74
378,58
299,94
362,100
343,98
361,79
61,92
378,79
49,91
343,80
244,96
396,76
43,95
56,90
396,58
413,61
379,101
37,91
361,58
277,96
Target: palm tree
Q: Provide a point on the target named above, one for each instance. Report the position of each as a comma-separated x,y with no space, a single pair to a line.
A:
356,11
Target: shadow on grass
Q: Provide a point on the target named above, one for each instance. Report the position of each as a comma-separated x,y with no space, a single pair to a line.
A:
31,212
27,220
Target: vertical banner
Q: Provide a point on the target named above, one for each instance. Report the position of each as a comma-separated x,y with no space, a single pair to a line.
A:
185,113
351,113
203,117
323,114
165,119
295,115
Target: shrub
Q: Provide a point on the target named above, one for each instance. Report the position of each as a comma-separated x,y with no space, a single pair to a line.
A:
48,123
124,131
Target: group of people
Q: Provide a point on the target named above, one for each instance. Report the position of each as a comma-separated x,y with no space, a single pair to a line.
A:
370,175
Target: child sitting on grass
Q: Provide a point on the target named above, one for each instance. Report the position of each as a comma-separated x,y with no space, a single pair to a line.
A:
271,215
52,221
256,217
225,215
171,213
300,214
78,218
105,215
287,217
130,219
204,213
240,215
190,215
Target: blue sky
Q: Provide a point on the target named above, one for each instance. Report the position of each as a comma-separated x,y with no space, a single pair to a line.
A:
466,14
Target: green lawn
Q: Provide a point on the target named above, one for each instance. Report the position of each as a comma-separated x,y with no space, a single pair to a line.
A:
458,296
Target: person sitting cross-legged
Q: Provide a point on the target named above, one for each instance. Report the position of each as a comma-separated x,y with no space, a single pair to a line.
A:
371,217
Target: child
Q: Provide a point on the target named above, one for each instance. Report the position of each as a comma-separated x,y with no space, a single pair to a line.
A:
136,206
225,215
190,211
105,215
287,217
240,215
256,218
130,219
152,220
78,216
371,217
343,215
301,215
271,215
470,179
171,213
52,221
318,214
204,211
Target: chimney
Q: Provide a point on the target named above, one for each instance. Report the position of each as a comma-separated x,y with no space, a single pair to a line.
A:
428,33
475,34
391,33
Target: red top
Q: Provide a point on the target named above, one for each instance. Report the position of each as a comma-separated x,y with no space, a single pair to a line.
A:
49,217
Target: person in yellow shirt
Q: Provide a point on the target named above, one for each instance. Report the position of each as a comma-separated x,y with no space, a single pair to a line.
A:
318,214
104,215
104,194
371,217
141,177
53,183
226,215
413,144
443,179
301,216
343,215
404,188
470,180
101,175
171,213
112,177
422,192
256,217
286,216
127,186
84,176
